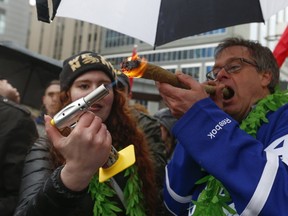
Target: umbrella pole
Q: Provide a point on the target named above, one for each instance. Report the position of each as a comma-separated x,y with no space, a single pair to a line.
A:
27,83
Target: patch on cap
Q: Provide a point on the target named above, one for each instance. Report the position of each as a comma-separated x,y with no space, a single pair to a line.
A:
76,65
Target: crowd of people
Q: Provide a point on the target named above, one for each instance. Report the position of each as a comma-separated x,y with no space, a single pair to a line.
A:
202,155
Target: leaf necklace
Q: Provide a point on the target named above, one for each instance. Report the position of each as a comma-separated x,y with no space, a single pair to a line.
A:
102,192
213,200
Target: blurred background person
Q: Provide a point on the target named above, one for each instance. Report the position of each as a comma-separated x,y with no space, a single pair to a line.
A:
167,120
123,84
17,133
50,104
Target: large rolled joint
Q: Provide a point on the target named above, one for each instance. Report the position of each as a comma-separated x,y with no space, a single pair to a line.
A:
142,69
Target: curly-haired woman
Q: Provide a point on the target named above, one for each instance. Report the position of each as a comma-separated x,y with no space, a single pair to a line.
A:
61,173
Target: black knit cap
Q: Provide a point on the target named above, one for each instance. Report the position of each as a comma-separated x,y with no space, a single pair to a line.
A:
78,64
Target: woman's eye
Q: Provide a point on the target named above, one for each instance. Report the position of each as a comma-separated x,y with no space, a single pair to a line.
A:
84,86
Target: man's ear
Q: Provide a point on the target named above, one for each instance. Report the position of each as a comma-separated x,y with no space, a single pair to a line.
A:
266,78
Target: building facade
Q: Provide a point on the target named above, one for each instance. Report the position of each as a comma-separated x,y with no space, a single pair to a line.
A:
15,21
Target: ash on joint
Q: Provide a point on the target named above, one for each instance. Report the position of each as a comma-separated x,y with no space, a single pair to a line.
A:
130,65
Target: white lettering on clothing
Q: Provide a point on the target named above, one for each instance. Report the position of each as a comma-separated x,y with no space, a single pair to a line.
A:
280,148
218,127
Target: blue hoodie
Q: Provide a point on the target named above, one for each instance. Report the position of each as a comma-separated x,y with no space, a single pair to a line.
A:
254,171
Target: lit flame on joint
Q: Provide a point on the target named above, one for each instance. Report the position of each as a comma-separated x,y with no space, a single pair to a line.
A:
134,67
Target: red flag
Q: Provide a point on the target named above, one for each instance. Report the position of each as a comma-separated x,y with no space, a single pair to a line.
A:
134,53
281,50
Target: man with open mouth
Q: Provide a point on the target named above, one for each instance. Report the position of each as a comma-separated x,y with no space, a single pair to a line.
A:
231,157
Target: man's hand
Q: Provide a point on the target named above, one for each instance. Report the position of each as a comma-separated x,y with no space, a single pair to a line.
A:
8,91
180,100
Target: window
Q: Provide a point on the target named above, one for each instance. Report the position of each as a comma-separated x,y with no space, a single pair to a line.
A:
208,68
2,21
192,71
214,32
116,39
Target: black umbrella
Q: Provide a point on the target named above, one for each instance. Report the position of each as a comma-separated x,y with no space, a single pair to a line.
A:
158,22
28,72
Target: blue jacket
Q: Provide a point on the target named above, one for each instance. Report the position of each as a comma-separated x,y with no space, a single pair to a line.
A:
254,171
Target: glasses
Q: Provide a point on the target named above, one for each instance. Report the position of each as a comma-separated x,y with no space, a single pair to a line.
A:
233,66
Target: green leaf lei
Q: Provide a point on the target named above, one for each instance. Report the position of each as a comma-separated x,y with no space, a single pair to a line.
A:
213,200
102,192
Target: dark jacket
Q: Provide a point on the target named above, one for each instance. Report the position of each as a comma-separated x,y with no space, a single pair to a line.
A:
43,193
40,124
151,128
17,133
